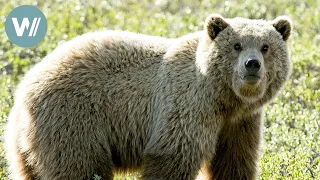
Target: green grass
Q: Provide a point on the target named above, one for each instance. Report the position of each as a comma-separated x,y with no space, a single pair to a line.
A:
292,135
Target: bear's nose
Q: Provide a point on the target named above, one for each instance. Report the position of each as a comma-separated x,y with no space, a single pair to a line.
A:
252,65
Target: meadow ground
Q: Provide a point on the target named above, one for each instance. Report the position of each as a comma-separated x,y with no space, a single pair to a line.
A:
292,136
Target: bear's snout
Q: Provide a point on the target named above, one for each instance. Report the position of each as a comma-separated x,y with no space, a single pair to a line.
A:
252,65
252,73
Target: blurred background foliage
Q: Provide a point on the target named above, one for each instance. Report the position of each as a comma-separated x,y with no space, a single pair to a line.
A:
292,144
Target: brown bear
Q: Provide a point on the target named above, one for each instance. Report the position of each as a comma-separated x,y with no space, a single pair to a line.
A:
117,101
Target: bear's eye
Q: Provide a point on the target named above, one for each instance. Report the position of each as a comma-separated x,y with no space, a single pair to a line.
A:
238,47
265,48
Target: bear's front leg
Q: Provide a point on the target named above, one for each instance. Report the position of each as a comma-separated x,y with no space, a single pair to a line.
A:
175,154
237,150
170,167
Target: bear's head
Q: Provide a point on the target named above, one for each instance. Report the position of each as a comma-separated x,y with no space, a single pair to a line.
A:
249,56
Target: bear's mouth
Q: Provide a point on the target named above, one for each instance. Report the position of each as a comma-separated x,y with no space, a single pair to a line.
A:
251,79
249,86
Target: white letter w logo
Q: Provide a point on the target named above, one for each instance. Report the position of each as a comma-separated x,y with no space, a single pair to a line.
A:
25,24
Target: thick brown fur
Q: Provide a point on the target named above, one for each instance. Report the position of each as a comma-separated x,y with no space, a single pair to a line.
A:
118,101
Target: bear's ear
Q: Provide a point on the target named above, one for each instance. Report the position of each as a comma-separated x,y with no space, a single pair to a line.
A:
214,24
283,25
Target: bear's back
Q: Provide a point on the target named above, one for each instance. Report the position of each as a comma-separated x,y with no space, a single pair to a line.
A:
94,58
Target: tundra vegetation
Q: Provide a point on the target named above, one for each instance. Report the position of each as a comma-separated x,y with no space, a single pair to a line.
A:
291,147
